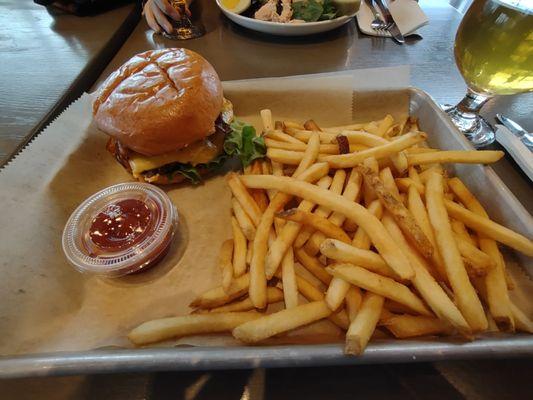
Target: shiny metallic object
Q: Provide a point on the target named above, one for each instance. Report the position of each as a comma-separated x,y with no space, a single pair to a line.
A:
517,130
391,25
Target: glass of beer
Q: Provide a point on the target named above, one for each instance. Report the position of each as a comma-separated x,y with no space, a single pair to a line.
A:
183,29
494,53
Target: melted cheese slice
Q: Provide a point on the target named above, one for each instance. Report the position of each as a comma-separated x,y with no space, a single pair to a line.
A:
197,153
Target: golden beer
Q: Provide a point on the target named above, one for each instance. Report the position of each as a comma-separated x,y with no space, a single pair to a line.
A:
494,46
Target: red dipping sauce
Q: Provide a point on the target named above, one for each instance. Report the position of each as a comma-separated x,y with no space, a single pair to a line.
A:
120,230
120,225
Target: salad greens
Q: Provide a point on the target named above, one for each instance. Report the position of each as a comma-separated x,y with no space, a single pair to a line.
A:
314,10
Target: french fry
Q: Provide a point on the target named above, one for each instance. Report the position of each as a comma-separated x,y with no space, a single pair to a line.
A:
521,320
392,307
385,175
384,125
311,264
425,284
281,321
351,192
413,175
479,261
342,252
288,277
168,328
403,185
288,234
400,162
339,129
408,326
311,125
364,324
424,175
224,261
304,135
497,295
354,298
386,150
244,198
490,228
418,150
401,214
361,239
246,224
378,284
259,195
266,119
239,249
338,287
310,156
465,295
249,253
292,124
274,295
316,222
336,187
455,156
260,246
369,194
301,146
461,232
218,296
288,157
282,137
419,212
312,293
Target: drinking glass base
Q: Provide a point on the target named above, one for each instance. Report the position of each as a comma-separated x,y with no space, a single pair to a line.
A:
473,126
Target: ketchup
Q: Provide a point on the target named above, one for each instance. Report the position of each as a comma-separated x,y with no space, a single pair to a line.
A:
122,229
120,225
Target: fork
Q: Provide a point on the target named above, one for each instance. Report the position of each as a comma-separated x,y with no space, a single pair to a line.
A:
378,25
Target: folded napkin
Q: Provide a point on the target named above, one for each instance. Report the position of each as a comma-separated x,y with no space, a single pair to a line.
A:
518,150
406,13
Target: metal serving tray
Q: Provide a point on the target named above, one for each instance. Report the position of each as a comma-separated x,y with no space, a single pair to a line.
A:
501,205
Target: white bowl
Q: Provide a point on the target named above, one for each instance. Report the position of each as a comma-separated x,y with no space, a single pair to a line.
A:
278,28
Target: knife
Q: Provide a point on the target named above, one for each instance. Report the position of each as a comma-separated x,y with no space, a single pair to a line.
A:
393,28
517,130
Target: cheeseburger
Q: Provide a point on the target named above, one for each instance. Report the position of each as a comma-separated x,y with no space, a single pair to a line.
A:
166,116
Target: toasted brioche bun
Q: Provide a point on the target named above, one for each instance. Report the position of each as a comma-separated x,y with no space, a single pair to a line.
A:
159,101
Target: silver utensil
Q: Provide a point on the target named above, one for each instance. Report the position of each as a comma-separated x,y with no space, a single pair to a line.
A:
377,24
391,25
517,130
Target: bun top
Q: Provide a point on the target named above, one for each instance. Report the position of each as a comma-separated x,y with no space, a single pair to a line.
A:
160,101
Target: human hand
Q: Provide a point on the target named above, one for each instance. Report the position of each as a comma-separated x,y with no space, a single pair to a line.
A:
157,12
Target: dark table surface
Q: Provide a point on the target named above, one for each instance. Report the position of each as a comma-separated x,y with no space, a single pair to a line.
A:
47,60
237,54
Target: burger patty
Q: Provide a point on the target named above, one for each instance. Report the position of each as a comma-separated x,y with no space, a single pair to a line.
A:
123,154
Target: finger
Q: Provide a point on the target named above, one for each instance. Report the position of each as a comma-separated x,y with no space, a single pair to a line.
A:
168,9
162,20
150,19
187,10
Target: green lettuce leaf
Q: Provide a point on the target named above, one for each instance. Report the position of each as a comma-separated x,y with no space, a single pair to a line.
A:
307,10
243,143
329,11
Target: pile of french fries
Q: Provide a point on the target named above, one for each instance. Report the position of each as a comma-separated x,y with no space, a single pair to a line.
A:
387,241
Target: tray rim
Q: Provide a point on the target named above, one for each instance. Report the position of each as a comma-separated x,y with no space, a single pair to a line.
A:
114,360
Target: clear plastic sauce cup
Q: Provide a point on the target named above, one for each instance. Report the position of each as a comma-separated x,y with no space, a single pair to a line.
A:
122,229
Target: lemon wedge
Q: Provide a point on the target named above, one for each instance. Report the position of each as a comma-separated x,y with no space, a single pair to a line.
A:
236,6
